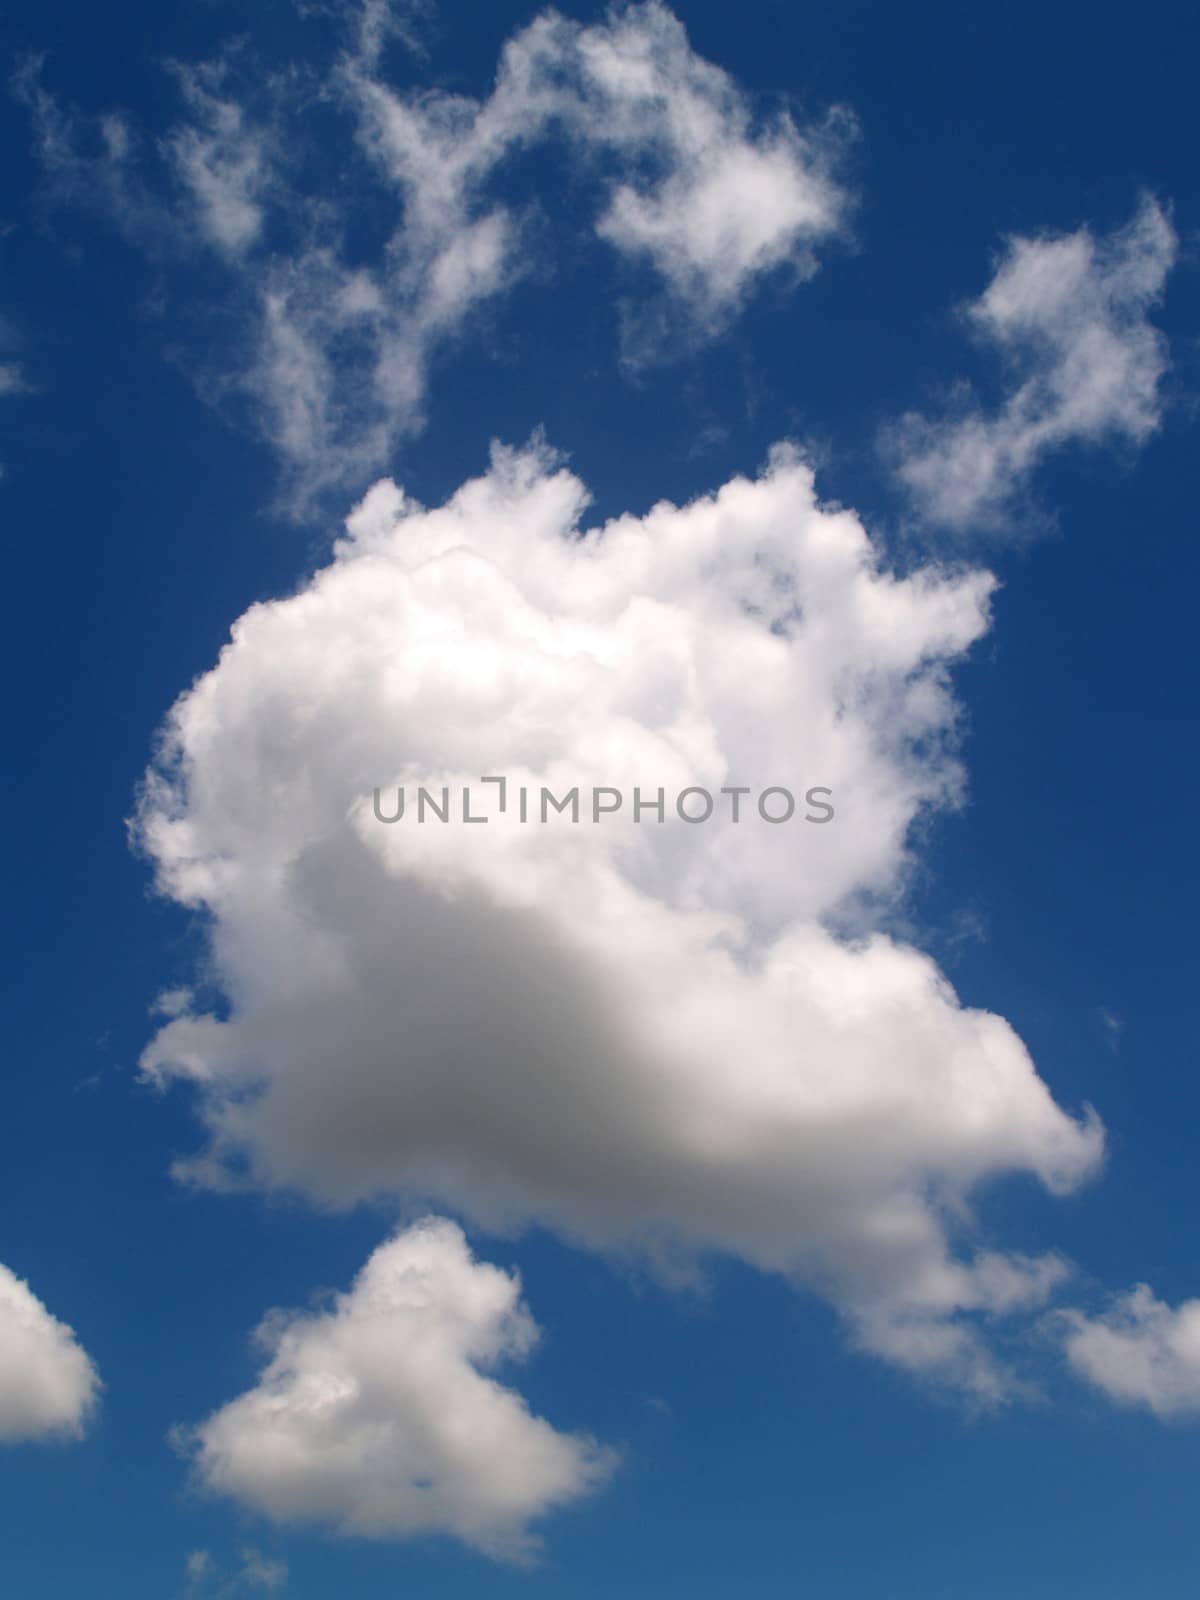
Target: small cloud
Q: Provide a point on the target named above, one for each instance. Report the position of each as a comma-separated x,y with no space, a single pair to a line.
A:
199,1565
1140,1352
383,1418
1069,314
1114,1026
172,1002
224,161
257,1572
253,1572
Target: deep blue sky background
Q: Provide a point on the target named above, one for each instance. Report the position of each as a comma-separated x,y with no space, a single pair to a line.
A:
762,1456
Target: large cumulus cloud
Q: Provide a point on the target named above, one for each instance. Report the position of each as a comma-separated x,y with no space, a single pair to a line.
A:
666,1036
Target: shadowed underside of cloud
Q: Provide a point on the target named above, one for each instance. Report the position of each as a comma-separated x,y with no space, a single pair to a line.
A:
48,1385
649,1036
686,179
381,1416
1069,314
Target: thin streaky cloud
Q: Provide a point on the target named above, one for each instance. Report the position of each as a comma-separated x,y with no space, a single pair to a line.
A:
688,180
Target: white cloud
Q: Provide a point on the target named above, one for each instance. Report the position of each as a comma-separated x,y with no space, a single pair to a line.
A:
727,203
709,199
382,1416
647,1036
48,1385
380,21
1140,1352
343,340
223,161
1070,315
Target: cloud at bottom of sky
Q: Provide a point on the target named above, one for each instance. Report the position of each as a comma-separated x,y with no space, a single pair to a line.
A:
382,1416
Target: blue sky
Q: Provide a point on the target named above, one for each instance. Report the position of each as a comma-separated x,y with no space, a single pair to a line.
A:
739,1384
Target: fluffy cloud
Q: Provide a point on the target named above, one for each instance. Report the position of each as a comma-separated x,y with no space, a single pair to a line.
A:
1069,314
381,1417
709,199
1140,1352
48,1386
727,202
686,179
659,1036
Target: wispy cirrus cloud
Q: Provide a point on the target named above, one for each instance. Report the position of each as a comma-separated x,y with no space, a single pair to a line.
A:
93,163
224,161
688,179
254,1573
